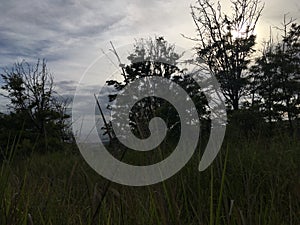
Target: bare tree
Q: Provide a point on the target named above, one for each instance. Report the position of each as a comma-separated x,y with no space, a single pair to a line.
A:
30,90
225,43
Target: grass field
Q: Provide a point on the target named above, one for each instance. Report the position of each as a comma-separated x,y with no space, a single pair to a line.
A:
253,181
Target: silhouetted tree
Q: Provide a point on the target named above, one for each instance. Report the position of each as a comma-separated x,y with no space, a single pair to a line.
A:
225,43
276,74
156,57
36,108
266,85
289,70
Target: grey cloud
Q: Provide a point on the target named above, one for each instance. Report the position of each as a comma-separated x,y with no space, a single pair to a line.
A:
66,86
47,29
69,33
52,28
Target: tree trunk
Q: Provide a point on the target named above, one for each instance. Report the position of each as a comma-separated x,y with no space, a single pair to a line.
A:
235,104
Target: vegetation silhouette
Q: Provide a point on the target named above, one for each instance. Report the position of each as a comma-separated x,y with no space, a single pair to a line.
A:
254,180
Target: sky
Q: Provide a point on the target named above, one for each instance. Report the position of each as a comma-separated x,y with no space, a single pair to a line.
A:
70,34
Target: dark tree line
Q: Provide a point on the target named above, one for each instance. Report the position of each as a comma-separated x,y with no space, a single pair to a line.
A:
264,87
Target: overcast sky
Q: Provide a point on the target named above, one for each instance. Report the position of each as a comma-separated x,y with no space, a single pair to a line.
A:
71,33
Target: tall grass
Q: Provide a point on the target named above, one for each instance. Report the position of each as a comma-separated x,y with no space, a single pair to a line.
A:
252,182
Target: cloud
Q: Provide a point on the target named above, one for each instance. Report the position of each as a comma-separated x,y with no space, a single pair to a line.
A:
49,28
71,33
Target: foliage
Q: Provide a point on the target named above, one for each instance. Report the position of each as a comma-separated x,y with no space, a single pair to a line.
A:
156,57
276,77
246,123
